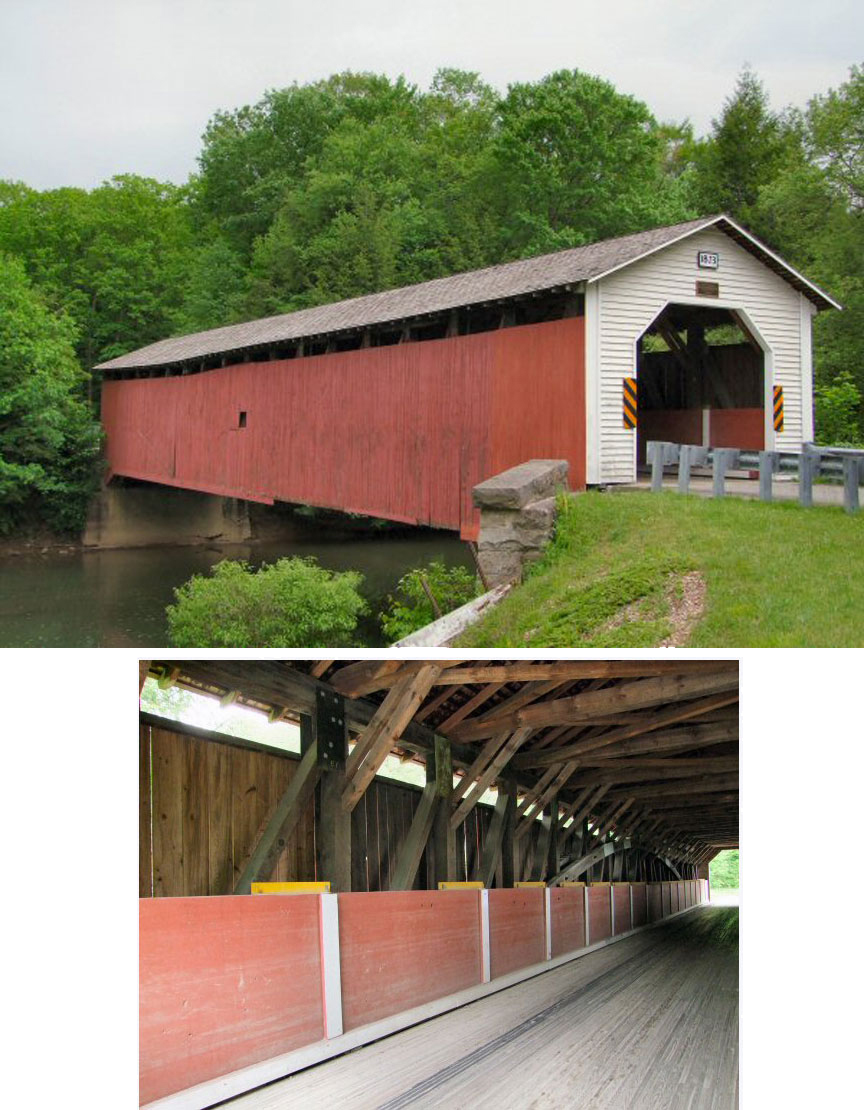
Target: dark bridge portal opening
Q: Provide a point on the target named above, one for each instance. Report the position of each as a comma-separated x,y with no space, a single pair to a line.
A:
701,376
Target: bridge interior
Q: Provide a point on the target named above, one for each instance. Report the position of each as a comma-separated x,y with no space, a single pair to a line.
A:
582,799
650,1023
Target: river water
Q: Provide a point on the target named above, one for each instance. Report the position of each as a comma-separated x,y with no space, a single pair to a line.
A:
118,598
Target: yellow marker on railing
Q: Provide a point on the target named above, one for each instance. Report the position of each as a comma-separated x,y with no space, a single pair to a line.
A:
290,888
526,883
571,882
461,886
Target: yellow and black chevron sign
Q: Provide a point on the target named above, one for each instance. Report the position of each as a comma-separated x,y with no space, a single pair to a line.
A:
631,394
778,408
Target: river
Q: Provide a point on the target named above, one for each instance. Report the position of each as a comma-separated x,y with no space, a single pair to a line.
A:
117,598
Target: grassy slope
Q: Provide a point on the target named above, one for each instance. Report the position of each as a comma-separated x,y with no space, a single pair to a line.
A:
777,575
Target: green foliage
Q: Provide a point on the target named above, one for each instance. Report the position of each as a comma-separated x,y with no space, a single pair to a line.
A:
411,607
113,259
723,871
49,444
838,406
289,603
748,146
578,161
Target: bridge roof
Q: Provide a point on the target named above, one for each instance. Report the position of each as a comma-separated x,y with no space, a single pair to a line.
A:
544,273
645,746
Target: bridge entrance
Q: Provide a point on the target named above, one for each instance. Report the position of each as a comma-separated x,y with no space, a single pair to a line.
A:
701,373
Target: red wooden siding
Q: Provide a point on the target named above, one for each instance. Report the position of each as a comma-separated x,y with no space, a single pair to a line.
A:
224,983
655,907
599,914
738,428
517,929
403,948
640,905
568,919
401,432
621,894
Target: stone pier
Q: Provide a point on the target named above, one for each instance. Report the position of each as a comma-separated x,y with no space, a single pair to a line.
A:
517,517
141,516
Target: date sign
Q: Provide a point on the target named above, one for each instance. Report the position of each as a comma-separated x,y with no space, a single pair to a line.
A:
709,260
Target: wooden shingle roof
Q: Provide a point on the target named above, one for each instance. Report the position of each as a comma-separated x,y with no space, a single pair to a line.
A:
563,269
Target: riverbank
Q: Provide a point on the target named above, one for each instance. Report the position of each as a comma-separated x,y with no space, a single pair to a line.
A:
648,570
72,597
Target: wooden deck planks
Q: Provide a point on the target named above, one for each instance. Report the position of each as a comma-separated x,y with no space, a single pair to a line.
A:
649,1023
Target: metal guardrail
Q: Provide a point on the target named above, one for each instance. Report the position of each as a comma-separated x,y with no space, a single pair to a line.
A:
840,464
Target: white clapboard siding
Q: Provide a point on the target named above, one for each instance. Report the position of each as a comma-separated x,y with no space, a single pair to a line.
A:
628,300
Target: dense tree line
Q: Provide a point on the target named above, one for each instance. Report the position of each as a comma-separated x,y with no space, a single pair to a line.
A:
359,183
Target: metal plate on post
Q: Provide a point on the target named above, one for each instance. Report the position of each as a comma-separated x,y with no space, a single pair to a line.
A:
331,730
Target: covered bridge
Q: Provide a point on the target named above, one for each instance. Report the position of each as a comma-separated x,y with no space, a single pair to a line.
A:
396,404
615,783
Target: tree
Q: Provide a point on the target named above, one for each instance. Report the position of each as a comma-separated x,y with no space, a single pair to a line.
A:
114,259
578,161
835,137
49,445
289,603
723,870
838,410
748,146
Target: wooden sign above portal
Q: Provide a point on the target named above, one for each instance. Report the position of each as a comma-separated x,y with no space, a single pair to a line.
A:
707,289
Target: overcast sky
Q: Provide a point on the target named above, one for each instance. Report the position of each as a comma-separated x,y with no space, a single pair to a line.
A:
90,88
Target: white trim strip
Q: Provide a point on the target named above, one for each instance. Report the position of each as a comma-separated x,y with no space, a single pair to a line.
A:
331,966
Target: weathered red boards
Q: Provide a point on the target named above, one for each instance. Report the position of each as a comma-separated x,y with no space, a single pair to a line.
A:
402,432
224,982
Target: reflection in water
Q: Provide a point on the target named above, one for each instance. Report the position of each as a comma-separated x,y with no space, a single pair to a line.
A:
118,598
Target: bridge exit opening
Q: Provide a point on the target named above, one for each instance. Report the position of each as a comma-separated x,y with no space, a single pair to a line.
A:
701,380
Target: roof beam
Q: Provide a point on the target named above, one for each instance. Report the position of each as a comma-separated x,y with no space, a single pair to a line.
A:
685,711
636,694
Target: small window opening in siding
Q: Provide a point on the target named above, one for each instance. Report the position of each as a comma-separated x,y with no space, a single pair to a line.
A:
241,420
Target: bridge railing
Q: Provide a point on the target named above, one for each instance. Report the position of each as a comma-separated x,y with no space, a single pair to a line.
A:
833,464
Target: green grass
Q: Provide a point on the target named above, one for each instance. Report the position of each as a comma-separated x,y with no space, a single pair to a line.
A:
776,575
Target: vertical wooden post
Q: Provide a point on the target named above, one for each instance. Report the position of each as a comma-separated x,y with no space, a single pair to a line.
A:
332,821
553,860
507,785
439,769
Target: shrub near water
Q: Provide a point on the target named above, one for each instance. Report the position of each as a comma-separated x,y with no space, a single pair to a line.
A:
289,603
411,607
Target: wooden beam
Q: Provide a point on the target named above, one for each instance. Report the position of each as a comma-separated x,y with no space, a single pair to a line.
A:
287,813
542,793
580,866
384,730
484,870
440,766
621,771
270,682
358,679
414,843
678,713
468,708
569,670
484,757
501,759
681,739
636,694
